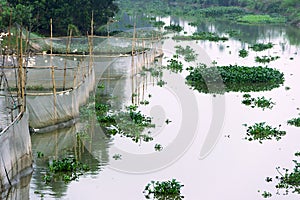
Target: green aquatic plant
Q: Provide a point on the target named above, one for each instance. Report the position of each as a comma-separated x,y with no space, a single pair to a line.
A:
117,156
261,46
294,122
288,180
174,64
129,123
233,33
145,102
261,131
260,102
266,194
260,19
66,169
202,36
265,59
158,24
174,27
158,147
243,53
40,154
164,190
188,53
161,83
222,79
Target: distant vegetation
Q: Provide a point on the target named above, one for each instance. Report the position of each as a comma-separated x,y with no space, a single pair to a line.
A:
77,15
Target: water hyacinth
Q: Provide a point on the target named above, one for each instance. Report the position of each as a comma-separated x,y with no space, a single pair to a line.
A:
233,78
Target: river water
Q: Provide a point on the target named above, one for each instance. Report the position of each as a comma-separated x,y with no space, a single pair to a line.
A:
203,145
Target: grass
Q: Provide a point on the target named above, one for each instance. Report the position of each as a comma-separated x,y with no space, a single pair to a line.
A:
261,131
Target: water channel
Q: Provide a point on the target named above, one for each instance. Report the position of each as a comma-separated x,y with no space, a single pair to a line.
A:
203,145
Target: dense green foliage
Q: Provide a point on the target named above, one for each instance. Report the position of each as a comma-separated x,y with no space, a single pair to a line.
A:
65,14
261,131
233,78
164,190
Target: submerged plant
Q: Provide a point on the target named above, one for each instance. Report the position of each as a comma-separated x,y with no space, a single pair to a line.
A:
260,102
294,122
164,190
261,131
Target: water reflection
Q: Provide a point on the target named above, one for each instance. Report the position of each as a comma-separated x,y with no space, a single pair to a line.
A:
84,141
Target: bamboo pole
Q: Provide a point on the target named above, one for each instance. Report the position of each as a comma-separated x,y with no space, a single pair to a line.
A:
53,73
132,64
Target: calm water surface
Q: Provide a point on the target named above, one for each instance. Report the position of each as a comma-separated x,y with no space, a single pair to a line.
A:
203,145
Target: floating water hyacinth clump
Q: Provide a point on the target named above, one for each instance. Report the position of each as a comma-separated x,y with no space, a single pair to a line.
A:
214,37
261,131
261,46
174,27
174,64
164,190
188,53
260,102
129,123
234,78
243,53
294,122
66,169
288,181
265,59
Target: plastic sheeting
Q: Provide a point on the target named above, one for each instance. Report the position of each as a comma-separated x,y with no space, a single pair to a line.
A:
16,155
49,109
